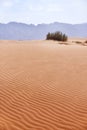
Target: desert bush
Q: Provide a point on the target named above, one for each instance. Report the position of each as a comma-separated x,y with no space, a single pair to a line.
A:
86,41
78,42
58,36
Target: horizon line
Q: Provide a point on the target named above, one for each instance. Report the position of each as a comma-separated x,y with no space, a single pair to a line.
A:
42,23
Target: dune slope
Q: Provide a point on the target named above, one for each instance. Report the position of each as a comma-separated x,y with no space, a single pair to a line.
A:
43,86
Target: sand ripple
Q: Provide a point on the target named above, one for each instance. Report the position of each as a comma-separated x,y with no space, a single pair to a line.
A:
43,87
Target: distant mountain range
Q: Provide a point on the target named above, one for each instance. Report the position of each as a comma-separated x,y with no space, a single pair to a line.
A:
21,31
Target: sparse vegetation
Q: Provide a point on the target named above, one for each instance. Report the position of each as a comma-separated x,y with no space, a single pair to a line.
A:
78,42
86,41
64,43
58,36
81,43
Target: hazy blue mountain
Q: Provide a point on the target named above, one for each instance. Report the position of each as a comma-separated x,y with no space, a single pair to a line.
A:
21,31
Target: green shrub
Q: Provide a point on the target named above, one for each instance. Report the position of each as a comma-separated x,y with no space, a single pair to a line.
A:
58,36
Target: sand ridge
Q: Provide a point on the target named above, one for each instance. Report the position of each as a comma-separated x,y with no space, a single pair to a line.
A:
43,86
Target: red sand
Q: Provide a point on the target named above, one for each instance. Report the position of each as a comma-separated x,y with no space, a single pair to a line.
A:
43,86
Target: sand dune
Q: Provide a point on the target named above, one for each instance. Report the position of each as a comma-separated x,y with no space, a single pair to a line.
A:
43,86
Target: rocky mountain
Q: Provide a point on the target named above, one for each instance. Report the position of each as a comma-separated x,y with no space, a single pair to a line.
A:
21,31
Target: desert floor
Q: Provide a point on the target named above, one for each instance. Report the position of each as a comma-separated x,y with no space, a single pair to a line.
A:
43,86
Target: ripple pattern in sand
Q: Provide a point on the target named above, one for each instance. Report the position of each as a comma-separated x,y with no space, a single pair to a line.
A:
33,96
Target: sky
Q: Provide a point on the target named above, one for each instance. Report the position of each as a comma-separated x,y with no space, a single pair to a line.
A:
43,11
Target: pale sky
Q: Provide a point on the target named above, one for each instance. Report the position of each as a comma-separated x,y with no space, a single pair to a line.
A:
43,11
